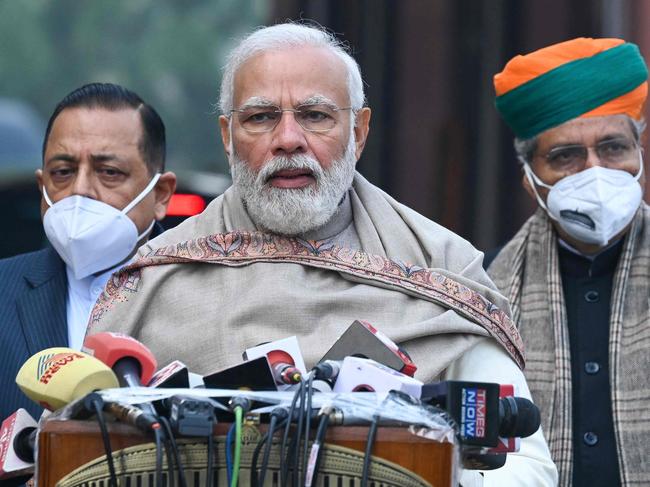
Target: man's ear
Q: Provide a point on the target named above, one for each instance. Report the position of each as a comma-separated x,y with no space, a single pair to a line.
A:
39,179
163,192
361,130
224,125
525,182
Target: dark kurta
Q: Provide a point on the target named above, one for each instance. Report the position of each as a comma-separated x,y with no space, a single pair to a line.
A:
587,287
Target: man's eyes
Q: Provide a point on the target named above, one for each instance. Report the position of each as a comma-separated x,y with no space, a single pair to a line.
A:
311,115
262,116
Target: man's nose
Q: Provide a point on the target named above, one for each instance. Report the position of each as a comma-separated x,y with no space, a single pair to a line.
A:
84,183
288,135
593,159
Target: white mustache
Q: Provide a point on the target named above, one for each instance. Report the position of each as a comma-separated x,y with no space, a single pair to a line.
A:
282,163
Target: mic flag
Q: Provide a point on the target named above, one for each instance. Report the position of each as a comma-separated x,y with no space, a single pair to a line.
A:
56,376
361,339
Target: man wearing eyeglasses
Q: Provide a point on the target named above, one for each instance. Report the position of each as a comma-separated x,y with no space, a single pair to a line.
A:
577,274
303,245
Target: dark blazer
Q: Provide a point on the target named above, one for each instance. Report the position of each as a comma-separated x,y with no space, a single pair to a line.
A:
33,291
33,298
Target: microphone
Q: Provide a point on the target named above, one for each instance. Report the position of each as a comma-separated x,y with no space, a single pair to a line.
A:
172,375
132,362
253,375
56,376
17,438
362,374
519,417
285,359
361,339
482,415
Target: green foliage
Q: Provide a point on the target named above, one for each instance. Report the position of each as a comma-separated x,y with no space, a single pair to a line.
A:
170,52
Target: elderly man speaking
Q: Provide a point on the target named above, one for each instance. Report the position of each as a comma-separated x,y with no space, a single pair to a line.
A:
302,245
577,273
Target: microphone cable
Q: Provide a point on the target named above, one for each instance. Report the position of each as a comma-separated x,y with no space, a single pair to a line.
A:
172,440
294,446
370,443
239,416
284,453
238,405
277,418
305,453
317,446
229,445
159,457
209,475
94,403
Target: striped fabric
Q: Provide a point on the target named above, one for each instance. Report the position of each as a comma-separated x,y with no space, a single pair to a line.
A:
32,317
527,272
578,78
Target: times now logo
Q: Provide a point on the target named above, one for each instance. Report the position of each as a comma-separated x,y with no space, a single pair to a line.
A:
473,411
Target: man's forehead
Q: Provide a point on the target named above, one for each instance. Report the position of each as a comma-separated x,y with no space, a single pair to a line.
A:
295,74
588,129
97,125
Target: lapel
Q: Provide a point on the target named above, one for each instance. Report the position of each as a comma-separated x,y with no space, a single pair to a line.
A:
42,308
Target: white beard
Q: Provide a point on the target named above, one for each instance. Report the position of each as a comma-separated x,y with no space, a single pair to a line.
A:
297,210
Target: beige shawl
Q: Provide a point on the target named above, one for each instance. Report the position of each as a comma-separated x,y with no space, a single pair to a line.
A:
417,282
527,271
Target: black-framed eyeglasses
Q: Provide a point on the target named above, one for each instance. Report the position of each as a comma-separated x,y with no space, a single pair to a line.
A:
610,152
313,118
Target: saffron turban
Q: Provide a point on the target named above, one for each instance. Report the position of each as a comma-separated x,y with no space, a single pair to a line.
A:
578,78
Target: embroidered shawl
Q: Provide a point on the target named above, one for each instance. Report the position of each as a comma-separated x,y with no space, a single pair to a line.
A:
527,271
212,287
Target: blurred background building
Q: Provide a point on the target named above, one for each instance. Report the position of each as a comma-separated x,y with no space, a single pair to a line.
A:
436,141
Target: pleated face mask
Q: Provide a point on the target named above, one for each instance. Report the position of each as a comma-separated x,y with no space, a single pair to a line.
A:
592,205
91,236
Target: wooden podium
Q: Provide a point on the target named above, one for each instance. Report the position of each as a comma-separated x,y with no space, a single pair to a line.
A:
66,445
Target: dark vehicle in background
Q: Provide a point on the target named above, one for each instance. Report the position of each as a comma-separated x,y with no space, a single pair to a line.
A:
21,136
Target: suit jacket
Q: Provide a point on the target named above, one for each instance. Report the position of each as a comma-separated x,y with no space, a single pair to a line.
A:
33,299
33,291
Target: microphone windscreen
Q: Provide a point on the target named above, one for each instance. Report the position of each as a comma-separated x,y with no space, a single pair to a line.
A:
111,347
520,418
56,376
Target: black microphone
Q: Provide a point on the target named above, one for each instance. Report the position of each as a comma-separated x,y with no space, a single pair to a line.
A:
518,417
481,414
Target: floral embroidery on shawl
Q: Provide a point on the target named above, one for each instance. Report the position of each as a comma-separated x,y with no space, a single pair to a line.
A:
244,248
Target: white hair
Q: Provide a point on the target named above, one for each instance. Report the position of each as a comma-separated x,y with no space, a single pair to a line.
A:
284,36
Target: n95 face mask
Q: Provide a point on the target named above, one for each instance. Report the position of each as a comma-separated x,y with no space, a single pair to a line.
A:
592,205
91,236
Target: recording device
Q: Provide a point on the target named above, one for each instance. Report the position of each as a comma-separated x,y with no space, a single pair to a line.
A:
17,438
285,359
56,376
132,362
361,339
362,374
482,415
191,416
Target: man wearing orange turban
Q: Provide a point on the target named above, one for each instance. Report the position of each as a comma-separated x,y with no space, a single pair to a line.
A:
577,274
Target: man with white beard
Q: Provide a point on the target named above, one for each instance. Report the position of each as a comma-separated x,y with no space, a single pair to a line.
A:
303,245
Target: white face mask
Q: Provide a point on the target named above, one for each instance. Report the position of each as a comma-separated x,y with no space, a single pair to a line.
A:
91,236
593,205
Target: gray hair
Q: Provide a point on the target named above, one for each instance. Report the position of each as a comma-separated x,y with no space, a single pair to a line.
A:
525,148
283,36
